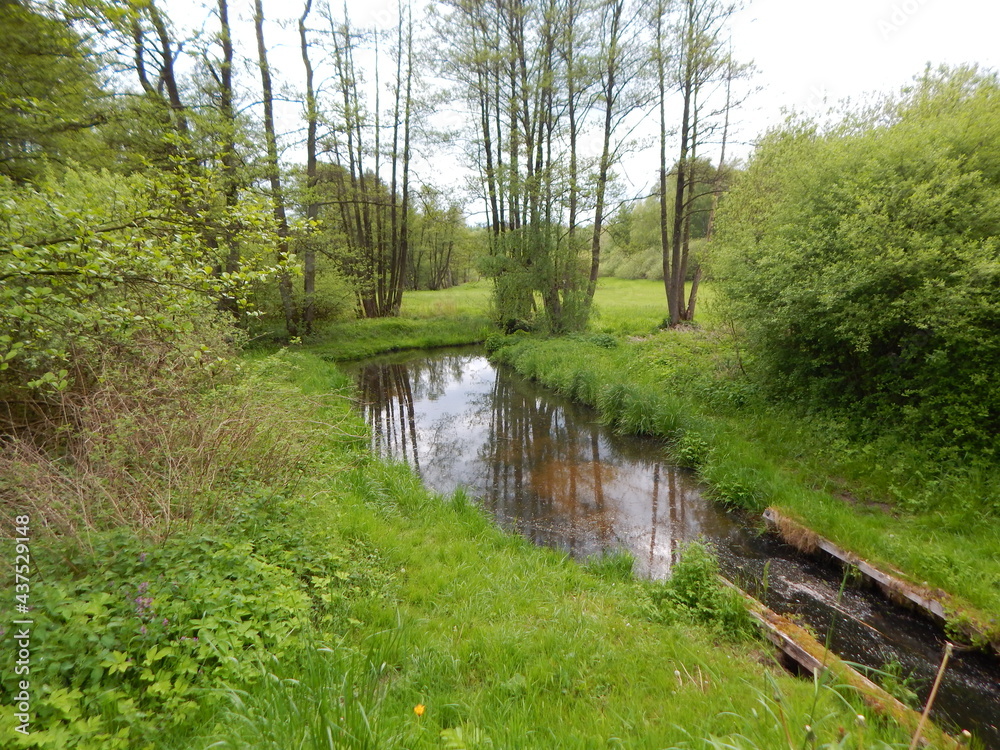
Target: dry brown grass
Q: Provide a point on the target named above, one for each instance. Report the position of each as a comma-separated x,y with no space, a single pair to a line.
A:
803,539
153,443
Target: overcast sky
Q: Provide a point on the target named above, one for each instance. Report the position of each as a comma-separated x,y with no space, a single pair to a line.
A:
809,54
810,50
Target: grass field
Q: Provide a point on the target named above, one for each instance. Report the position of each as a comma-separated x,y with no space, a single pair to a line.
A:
639,307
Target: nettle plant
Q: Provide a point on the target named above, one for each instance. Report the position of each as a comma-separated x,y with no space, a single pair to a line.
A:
150,636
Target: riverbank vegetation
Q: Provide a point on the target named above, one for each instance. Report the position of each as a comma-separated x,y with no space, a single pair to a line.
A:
888,501
323,593
841,371
217,560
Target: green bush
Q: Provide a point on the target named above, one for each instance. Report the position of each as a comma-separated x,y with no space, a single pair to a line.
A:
863,263
694,591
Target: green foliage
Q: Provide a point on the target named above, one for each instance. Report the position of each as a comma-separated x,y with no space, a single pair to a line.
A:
691,450
864,263
443,251
603,340
334,300
636,247
133,646
494,342
538,281
134,451
49,93
95,260
694,590
900,684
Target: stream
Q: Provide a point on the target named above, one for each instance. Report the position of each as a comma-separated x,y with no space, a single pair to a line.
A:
547,469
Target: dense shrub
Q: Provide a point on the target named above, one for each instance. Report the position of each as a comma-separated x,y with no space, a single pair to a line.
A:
694,591
863,263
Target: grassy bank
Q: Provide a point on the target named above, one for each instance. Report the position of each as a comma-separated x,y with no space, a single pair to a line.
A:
338,603
451,317
461,636
886,501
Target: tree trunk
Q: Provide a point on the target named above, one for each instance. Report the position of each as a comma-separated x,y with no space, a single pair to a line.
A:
312,205
610,96
274,172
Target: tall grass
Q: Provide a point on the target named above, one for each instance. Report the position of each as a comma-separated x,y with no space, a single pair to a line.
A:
151,448
315,698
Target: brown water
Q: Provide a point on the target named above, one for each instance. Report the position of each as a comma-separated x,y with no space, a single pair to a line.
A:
548,470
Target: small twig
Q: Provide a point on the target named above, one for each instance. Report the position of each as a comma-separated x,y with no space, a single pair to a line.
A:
930,698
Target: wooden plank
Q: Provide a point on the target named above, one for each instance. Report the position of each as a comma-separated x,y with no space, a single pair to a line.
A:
799,645
893,586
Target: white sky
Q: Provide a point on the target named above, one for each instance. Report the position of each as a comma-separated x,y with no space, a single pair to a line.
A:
810,50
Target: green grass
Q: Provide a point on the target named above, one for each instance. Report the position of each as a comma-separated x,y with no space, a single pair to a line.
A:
357,339
451,317
468,300
639,307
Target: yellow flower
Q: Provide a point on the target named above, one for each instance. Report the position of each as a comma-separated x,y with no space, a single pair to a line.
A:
419,709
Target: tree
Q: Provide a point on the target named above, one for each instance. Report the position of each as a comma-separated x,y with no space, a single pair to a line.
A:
442,247
50,99
94,262
863,263
533,72
273,168
372,213
620,63
699,61
312,206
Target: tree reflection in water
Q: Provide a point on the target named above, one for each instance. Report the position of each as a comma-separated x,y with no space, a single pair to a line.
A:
542,466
